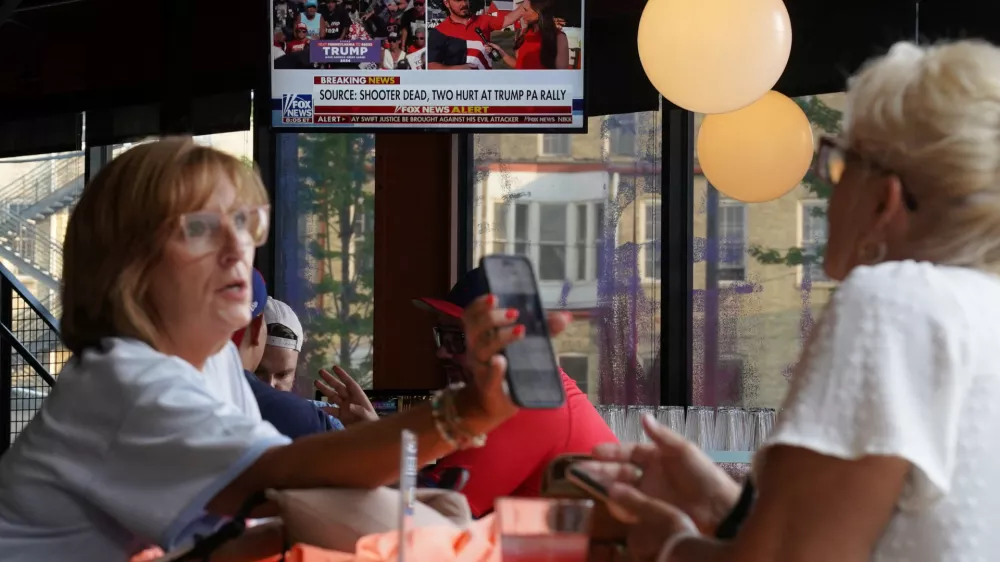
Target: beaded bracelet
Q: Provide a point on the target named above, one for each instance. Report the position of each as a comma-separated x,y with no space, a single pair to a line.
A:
449,424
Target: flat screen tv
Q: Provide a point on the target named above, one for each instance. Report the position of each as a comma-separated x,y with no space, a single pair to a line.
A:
428,64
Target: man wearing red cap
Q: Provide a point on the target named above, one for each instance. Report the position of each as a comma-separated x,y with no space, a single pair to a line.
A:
517,453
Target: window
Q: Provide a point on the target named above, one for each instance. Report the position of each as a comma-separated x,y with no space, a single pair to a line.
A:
651,246
555,145
567,237
507,218
552,242
732,240
750,320
813,241
581,222
577,367
622,134
327,247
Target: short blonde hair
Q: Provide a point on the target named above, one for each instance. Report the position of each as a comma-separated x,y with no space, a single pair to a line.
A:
932,115
117,232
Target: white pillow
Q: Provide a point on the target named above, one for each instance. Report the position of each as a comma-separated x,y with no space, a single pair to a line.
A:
335,518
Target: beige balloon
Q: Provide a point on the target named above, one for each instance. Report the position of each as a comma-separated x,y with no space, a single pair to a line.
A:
714,56
757,153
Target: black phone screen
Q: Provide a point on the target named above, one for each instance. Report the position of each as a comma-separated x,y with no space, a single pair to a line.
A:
532,372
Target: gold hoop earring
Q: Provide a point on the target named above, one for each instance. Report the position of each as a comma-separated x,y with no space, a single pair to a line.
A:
870,256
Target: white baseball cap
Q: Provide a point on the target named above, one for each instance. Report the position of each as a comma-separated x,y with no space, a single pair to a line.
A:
277,312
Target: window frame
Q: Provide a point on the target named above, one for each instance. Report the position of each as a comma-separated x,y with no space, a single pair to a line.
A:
614,131
571,244
725,202
644,204
801,211
574,355
542,152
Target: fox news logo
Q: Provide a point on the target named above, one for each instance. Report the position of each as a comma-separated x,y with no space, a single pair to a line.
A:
296,108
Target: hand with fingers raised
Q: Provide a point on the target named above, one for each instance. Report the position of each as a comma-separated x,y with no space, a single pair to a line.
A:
352,404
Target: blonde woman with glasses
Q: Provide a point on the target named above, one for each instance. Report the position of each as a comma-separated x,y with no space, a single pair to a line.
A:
887,446
152,434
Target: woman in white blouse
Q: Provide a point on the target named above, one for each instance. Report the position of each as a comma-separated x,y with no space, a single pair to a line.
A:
152,435
886,449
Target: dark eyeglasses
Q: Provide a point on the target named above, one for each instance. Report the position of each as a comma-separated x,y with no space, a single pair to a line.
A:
832,159
451,340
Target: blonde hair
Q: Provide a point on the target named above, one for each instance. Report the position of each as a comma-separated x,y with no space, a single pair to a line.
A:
117,232
932,115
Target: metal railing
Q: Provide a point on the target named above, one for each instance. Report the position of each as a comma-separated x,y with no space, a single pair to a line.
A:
45,253
30,352
43,179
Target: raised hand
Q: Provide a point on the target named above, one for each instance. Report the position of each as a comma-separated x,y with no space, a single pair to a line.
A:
353,405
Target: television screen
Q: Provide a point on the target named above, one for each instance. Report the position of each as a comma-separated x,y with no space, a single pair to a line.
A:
427,64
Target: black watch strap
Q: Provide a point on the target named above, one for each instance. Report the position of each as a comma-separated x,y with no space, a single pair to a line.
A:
732,523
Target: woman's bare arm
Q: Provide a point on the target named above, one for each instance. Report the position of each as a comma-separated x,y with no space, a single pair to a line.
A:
367,455
512,16
562,51
363,456
811,508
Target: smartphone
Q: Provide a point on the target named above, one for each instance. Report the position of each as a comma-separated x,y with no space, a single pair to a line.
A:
533,379
583,480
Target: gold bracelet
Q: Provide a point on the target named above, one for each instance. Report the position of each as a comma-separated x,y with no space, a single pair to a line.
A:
467,439
449,423
439,421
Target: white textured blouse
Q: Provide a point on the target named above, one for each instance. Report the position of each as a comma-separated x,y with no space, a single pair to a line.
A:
906,362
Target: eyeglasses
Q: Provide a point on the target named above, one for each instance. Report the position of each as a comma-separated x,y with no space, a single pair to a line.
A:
451,340
203,230
832,159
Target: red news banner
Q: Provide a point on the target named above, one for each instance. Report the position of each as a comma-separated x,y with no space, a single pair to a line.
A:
384,100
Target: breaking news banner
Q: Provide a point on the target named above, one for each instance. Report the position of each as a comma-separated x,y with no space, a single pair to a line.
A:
428,64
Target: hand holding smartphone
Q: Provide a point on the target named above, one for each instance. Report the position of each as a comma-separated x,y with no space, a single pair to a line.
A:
533,378
586,481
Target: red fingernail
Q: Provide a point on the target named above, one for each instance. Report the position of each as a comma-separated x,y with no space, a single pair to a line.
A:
519,330
512,313
491,300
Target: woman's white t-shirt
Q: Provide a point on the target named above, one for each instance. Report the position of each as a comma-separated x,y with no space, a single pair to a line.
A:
127,450
906,362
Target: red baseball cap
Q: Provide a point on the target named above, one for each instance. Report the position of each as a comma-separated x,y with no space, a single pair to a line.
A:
470,287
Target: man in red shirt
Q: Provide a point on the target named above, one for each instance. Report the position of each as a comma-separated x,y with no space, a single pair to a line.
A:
517,453
457,42
300,42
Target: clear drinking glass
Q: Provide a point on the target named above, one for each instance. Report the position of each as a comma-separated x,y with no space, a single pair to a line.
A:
616,421
672,417
731,429
761,424
633,423
544,530
699,428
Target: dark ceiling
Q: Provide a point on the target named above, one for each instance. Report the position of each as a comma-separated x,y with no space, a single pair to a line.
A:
72,55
